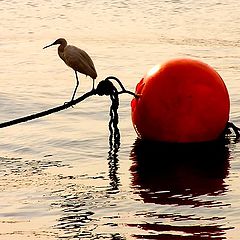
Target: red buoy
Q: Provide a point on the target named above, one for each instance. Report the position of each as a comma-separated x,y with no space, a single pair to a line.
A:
182,100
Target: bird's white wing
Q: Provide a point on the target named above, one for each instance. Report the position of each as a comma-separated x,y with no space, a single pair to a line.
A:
79,60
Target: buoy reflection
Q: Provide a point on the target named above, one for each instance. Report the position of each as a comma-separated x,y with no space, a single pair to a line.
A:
184,176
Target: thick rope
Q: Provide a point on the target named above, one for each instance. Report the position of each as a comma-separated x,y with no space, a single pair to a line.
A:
47,112
114,142
235,129
105,87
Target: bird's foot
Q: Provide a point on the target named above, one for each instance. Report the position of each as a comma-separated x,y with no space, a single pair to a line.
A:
65,103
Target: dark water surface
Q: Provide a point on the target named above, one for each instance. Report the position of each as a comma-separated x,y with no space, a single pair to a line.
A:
60,176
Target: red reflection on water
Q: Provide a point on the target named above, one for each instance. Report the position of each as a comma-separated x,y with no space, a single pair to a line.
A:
181,175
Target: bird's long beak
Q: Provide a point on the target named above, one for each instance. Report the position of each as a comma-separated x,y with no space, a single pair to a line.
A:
48,45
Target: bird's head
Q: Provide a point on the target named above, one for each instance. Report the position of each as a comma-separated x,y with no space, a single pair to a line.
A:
60,41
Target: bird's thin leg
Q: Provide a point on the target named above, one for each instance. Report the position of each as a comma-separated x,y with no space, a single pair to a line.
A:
93,84
75,90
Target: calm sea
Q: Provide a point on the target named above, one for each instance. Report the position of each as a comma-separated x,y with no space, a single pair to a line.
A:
60,176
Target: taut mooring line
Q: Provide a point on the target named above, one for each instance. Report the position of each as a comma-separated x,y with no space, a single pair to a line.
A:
105,87
47,112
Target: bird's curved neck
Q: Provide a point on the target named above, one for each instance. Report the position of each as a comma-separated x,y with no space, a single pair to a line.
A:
62,46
